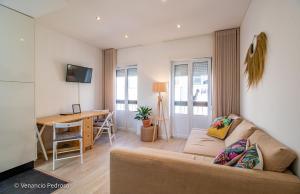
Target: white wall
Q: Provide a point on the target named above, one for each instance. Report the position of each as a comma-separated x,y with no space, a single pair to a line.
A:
154,62
274,105
53,94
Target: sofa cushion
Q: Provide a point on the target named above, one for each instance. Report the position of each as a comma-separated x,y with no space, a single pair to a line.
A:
242,131
218,133
231,152
202,144
220,127
236,121
252,159
277,157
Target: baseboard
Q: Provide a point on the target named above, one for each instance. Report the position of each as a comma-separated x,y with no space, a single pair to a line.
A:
16,170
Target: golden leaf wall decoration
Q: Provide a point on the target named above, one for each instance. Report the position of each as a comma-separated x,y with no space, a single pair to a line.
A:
255,59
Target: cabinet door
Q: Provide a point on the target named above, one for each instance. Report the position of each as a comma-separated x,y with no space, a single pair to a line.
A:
17,139
16,46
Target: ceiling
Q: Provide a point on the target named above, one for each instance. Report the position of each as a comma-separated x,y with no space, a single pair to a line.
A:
144,21
35,8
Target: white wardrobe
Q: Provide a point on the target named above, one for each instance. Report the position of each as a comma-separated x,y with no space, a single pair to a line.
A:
17,118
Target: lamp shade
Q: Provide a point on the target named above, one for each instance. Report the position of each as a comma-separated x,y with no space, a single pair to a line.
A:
159,87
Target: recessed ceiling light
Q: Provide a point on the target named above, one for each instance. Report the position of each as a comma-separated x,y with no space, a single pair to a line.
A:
178,26
22,39
163,1
98,18
126,36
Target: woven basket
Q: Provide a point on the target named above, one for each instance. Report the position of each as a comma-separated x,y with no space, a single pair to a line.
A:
147,134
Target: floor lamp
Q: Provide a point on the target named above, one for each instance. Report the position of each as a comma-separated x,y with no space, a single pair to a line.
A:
159,87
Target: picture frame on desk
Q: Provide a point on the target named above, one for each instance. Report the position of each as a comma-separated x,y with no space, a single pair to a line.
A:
76,108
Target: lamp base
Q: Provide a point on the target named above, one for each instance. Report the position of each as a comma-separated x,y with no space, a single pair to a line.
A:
161,115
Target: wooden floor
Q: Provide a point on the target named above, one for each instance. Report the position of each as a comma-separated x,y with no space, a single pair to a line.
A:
93,175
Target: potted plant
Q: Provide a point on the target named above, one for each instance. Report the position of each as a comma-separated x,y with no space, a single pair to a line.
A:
143,113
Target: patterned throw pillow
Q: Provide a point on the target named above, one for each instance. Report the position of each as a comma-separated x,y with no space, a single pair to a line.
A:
221,122
231,153
220,127
252,159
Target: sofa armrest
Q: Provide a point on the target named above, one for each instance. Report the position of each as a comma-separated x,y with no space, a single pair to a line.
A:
146,172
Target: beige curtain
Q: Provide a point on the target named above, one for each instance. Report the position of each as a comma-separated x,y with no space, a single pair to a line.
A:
226,73
110,63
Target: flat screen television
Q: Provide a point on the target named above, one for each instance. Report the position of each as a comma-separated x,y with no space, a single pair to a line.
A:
79,74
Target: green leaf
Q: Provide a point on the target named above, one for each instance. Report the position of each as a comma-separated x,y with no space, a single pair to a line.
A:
143,113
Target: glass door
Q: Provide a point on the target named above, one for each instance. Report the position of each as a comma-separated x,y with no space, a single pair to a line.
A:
180,98
126,97
191,96
201,112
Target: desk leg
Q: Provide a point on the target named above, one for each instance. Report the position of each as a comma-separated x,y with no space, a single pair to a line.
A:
39,134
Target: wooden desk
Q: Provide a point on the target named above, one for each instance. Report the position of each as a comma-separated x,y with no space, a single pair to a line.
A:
87,118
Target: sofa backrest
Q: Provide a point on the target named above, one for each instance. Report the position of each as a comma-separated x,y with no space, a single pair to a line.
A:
242,131
276,156
236,121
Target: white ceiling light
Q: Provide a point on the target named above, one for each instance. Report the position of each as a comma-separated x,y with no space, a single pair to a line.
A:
178,26
126,36
98,18
163,1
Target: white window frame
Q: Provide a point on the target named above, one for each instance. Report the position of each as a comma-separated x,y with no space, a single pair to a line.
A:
190,89
209,102
190,83
126,86
173,64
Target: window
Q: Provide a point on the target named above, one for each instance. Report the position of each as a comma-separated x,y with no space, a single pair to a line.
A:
126,89
200,88
191,87
132,80
181,89
120,89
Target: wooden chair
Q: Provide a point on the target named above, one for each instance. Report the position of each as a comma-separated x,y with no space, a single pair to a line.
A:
66,136
105,127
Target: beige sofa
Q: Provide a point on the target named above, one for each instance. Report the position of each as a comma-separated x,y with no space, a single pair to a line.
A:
153,171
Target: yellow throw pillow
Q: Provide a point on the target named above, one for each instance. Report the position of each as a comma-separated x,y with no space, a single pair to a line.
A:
218,133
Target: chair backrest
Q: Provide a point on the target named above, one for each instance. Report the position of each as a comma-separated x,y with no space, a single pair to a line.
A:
112,113
98,119
65,126
112,116
108,120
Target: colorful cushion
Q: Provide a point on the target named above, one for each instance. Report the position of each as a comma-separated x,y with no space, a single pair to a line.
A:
220,127
231,152
251,159
221,122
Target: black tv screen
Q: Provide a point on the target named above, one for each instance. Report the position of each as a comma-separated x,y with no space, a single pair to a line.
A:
79,74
